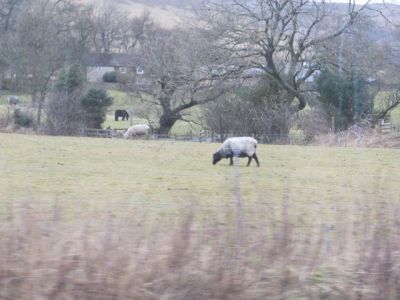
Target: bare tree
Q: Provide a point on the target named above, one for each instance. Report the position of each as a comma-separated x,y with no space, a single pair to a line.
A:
64,113
7,16
259,110
182,68
135,32
35,49
386,105
110,24
7,9
80,32
280,37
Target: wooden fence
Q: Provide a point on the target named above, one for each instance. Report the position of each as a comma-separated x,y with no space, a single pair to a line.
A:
195,136
387,127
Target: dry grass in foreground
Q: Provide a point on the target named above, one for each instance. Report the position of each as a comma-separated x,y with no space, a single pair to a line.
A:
355,257
367,138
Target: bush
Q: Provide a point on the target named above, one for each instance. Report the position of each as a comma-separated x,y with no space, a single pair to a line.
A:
64,113
110,77
313,121
71,79
261,110
122,78
6,84
95,104
23,119
63,109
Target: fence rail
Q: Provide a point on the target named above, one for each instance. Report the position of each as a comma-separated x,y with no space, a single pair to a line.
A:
296,138
387,127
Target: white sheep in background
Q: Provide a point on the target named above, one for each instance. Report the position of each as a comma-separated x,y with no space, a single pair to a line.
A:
137,130
237,147
13,100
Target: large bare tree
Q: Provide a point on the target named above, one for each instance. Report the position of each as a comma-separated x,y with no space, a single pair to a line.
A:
135,32
185,69
7,16
280,37
110,25
35,46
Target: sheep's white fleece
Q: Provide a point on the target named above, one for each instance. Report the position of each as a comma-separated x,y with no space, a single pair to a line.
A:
139,129
238,145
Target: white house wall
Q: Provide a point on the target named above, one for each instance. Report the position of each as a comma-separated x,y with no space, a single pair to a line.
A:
95,74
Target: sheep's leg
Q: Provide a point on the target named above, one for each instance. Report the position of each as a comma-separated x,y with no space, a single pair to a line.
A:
256,159
249,161
231,161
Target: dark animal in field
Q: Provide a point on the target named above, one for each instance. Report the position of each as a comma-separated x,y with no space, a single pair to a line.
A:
121,113
237,147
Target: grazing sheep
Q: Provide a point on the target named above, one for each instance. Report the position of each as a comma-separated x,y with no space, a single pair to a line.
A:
13,100
121,113
136,130
237,147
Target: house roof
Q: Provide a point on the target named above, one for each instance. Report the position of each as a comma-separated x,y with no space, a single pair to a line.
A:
111,60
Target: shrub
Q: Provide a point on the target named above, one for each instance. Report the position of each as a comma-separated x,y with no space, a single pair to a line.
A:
95,104
122,78
313,121
6,84
110,77
22,118
70,79
63,110
262,110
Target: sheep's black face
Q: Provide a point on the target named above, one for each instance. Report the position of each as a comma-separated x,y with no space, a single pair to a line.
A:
216,158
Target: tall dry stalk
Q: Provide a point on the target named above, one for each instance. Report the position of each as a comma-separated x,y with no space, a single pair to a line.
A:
353,257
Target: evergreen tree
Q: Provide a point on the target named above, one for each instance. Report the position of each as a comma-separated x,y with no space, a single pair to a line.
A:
95,104
345,96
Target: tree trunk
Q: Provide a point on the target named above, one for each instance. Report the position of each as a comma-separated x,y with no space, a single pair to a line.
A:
40,108
167,120
39,114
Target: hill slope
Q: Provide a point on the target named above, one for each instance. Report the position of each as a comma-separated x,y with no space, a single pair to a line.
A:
167,13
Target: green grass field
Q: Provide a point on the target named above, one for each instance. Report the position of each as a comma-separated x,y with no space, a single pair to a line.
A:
89,175
87,218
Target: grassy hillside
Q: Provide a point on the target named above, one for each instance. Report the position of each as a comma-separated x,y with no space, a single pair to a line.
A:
85,218
168,14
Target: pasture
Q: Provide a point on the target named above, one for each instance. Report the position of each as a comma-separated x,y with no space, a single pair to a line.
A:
302,214
161,176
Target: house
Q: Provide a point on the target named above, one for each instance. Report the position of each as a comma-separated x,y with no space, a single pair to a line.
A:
97,64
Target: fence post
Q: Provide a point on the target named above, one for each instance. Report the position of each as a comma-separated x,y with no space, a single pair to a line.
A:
130,117
8,114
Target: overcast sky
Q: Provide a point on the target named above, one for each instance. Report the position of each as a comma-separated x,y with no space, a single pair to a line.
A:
374,1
